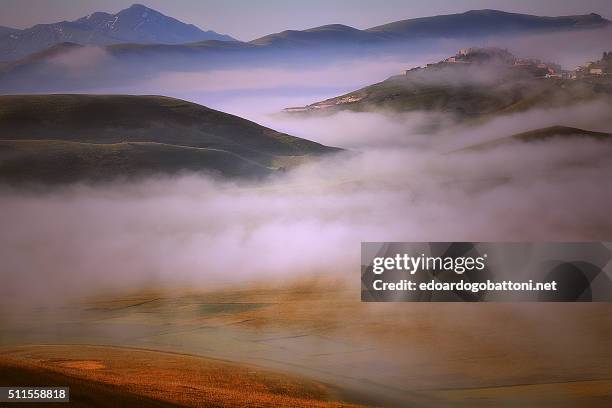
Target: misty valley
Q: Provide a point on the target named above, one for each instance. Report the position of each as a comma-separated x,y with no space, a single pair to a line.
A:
182,211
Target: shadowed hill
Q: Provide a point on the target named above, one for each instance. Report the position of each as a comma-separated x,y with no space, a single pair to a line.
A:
540,135
70,137
485,22
474,23
558,131
65,162
318,36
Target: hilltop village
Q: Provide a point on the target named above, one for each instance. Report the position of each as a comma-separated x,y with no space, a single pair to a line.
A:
539,69
478,80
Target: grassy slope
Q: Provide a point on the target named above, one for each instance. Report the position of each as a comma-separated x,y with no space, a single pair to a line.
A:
69,137
61,161
437,90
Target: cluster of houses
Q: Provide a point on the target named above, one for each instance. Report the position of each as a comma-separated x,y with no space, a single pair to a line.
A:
595,68
539,69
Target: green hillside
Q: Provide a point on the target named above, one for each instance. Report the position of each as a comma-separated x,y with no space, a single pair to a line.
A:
61,161
73,137
465,92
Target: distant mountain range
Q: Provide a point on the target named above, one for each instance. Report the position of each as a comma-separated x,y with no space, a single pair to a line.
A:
7,30
474,23
138,42
137,24
141,25
67,138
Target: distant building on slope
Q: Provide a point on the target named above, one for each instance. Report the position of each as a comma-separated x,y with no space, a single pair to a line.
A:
488,54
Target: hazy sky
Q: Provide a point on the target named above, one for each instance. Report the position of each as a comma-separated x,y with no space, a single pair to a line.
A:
249,19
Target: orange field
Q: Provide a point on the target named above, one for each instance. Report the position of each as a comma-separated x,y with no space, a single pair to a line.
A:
156,378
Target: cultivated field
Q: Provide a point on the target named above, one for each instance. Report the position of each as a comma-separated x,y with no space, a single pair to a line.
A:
150,378
397,354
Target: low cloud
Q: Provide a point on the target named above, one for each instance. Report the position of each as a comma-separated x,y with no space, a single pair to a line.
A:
396,183
570,49
341,74
81,59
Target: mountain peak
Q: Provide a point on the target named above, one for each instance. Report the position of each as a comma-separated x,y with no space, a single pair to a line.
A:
333,27
140,7
141,11
137,24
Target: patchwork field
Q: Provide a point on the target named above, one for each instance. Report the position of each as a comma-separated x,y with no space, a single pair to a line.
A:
148,378
399,354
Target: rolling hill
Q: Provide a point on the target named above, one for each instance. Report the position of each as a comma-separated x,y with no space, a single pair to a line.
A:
318,36
485,22
466,90
64,138
471,24
137,24
540,135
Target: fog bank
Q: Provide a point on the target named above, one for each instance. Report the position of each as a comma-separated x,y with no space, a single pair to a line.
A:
396,183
